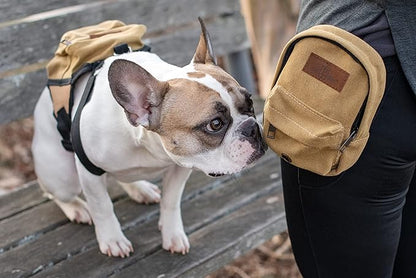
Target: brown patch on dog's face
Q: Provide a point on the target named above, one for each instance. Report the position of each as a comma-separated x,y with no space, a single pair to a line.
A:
189,127
241,97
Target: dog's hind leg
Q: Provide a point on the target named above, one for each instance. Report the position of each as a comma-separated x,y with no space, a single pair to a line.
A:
142,191
54,166
75,210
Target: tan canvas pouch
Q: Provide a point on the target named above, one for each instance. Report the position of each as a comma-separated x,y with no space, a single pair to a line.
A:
327,87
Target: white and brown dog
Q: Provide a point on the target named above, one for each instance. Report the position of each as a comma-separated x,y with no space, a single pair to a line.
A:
147,119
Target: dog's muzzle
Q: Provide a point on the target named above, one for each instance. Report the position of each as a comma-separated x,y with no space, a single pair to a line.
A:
250,130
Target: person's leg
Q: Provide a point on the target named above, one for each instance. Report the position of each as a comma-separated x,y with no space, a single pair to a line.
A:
349,225
405,265
295,221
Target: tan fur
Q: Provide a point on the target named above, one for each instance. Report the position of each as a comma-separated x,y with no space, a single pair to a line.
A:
182,114
196,74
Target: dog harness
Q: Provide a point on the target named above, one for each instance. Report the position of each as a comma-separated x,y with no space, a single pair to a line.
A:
82,51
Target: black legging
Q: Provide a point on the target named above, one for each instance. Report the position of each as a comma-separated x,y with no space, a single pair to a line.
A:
362,223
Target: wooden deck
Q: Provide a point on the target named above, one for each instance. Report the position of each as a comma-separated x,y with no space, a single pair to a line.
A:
223,217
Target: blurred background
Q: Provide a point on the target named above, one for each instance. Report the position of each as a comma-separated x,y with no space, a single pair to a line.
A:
269,25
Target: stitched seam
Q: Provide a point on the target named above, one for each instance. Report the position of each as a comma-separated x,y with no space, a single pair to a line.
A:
321,117
297,124
302,127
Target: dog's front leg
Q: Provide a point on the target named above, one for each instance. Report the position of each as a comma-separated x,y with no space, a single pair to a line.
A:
173,234
111,239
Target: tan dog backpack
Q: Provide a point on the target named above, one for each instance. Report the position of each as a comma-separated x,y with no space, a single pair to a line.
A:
82,51
87,45
327,88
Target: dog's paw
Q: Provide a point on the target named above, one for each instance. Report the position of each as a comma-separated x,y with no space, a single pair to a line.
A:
76,210
175,241
143,192
116,246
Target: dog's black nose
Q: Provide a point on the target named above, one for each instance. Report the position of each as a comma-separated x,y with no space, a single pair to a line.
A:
250,131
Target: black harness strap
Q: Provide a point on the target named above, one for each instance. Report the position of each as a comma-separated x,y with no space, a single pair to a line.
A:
70,132
75,130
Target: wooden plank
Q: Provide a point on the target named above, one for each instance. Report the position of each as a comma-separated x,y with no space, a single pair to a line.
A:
19,228
226,35
197,211
30,196
23,199
41,37
20,92
217,244
23,8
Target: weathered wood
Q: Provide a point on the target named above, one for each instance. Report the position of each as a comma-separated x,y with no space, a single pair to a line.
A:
19,92
23,8
21,200
19,228
22,226
30,195
140,224
216,244
38,40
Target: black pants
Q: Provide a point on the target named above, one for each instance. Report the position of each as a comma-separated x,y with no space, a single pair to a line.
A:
361,223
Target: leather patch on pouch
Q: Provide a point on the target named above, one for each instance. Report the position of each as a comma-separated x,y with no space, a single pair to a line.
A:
326,72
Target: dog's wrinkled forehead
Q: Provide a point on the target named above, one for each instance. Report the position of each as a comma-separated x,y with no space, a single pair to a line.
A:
233,94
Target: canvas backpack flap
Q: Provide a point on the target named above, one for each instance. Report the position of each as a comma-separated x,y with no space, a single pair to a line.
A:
315,116
86,45
90,44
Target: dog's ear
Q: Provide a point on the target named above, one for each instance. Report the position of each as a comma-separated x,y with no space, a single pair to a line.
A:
204,53
137,91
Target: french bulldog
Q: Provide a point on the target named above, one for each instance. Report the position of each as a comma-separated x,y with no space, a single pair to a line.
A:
147,119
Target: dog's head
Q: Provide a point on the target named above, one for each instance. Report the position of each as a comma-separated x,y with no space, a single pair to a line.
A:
204,117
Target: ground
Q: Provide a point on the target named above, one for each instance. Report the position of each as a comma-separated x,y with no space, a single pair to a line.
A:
273,259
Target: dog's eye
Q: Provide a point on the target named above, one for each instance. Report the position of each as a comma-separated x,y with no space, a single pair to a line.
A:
215,125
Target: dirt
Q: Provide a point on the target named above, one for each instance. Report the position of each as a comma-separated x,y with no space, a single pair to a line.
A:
16,163
273,259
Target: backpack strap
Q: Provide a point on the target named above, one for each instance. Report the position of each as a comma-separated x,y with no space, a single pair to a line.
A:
75,135
75,129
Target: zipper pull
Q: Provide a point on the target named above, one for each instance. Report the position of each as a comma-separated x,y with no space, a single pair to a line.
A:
348,140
